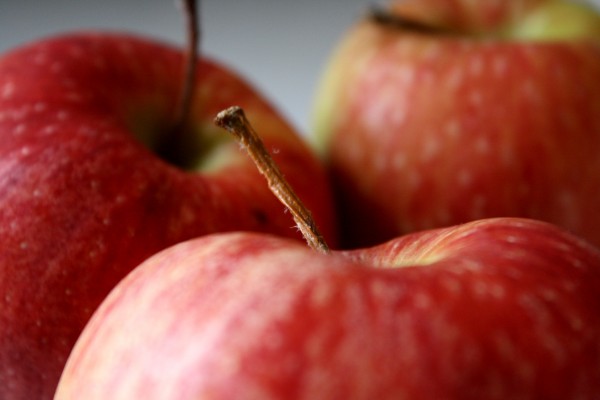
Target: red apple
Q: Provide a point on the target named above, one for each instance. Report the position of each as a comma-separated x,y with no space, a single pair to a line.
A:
495,309
85,195
438,112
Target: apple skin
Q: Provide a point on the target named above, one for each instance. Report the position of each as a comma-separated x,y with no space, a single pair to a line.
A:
494,309
423,131
83,200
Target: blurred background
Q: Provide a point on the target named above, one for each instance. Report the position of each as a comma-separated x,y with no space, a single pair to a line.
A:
280,46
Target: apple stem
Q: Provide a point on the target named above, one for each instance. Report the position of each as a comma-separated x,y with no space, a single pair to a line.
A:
234,121
190,12
384,17
172,147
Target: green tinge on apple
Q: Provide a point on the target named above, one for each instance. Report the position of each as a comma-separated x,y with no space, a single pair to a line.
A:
203,148
326,100
324,109
215,150
557,20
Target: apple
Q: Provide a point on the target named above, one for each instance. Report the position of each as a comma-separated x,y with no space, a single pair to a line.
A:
502,308
432,113
93,180
492,309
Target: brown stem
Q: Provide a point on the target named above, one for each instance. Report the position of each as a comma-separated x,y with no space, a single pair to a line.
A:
384,17
234,120
173,146
190,12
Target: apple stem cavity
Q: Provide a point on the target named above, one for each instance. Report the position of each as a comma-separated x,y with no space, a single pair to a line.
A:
235,122
384,17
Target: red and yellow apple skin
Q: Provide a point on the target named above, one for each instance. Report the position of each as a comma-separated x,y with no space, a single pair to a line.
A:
84,198
493,309
428,130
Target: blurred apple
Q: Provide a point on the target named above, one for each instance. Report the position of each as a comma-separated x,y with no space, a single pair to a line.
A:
91,183
494,309
438,112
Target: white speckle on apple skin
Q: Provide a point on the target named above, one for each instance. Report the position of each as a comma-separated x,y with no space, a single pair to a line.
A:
505,347
382,110
555,347
7,90
74,97
379,163
476,66
414,179
483,145
56,67
62,115
75,51
390,107
452,128
399,116
15,114
464,178
432,51
399,160
40,107
470,267
320,295
485,289
455,79
87,130
18,130
532,93
405,74
422,301
40,58
476,98
452,285
431,148
49,130
499,66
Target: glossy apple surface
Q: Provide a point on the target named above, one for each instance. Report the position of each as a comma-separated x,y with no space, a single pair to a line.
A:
85,194
493,110
493,309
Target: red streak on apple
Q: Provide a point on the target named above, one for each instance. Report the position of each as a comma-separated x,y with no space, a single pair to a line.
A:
83,201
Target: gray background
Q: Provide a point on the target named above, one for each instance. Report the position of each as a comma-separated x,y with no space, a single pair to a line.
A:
281,46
